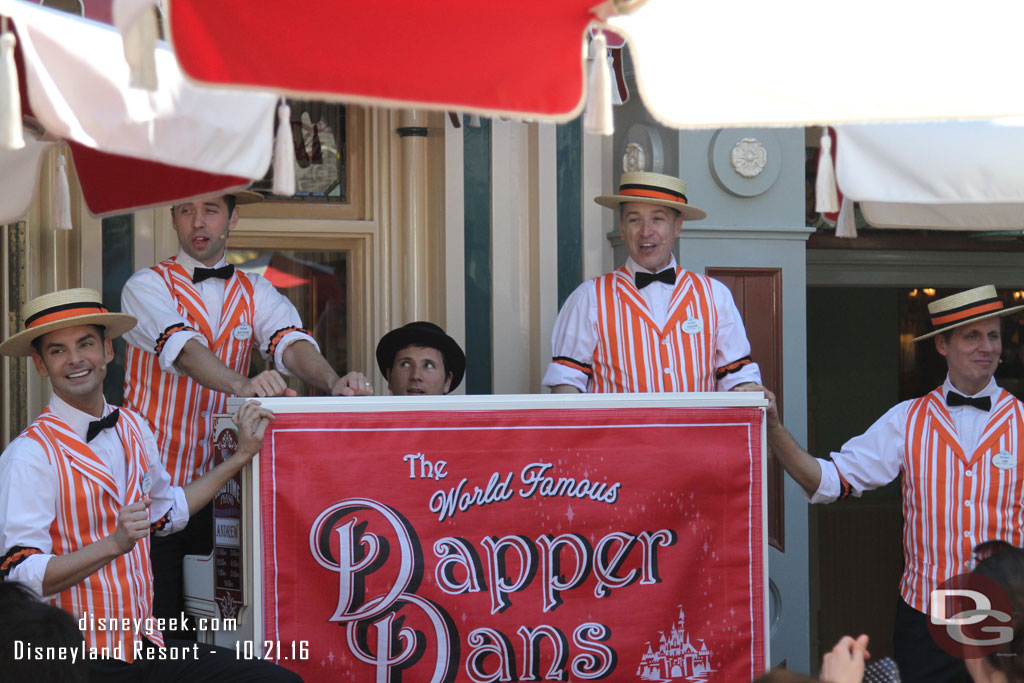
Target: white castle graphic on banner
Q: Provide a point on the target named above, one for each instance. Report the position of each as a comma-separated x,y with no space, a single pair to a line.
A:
676,657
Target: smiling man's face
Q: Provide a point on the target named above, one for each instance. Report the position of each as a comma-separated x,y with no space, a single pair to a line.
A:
972,354
75,359
650,232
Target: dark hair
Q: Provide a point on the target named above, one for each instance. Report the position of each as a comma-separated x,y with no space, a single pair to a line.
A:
1006,568
37,342
24,619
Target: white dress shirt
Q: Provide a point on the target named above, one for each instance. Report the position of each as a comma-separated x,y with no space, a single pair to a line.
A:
875,458
575,332
29,488
147,297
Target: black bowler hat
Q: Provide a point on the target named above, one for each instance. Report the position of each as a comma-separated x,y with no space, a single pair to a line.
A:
429,335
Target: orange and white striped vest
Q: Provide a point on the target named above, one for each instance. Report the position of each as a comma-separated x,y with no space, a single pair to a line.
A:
635,355
180,410
954,500
87,505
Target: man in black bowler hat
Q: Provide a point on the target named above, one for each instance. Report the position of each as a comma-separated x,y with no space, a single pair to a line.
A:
419,359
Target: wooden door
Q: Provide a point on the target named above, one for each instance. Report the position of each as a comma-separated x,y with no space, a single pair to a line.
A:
758,296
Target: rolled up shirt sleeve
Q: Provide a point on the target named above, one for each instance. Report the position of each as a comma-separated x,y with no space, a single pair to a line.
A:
865,462
277,323
169,511
28,503
574,340
161,328
732,356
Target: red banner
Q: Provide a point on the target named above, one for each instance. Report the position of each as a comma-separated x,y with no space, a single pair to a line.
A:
588,544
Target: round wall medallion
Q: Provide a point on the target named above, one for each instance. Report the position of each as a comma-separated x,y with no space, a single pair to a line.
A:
774,607
745,162
643,150
749,157
634,158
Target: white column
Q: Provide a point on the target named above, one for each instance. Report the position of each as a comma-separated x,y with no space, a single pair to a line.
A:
523,253
455,239
412,133
596,179
544,248
510,220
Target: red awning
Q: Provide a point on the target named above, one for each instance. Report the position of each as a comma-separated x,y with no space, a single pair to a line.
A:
524,58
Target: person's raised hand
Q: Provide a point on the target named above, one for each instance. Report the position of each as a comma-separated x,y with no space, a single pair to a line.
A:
132,525
845,663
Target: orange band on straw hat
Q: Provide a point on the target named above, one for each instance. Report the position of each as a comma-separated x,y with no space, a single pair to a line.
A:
65,315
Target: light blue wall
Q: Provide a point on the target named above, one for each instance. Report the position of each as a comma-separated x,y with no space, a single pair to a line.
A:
759,223
755,222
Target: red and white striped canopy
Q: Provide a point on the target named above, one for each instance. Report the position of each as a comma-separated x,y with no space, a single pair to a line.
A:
131,148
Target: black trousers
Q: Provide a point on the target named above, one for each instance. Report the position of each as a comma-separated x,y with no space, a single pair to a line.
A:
919,657
167,555
212,663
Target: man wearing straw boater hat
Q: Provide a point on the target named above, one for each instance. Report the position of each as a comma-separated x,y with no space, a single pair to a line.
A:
959,449
83,489
650,325
199,319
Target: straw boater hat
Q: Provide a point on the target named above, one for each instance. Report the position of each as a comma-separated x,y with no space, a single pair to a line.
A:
241,197
652,188
426,334
966,307
246,197
66,308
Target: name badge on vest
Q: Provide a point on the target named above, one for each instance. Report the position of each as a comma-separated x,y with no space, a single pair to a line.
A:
1004,460
693,326
242,332
147,484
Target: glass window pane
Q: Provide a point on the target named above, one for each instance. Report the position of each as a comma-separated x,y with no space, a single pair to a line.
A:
318,131
316,282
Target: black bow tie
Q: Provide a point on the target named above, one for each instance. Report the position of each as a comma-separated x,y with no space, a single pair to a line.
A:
954,399
200,274
643,278
97,426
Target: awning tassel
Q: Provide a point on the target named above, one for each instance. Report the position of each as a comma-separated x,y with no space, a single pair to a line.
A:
825,197
846,224
12,135
284,153
61,195
474,121
598,117
137,22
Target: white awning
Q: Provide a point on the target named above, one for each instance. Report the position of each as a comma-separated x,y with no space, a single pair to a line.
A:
956,175
803,62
